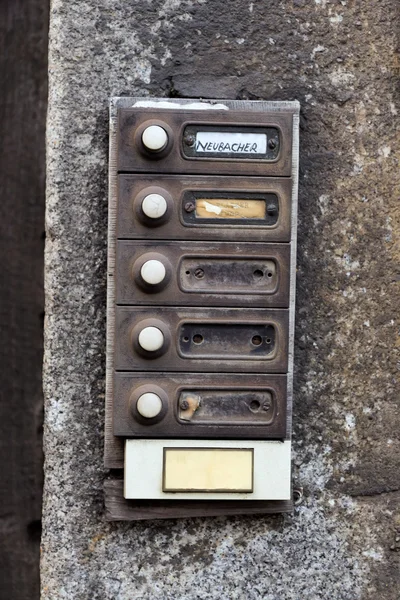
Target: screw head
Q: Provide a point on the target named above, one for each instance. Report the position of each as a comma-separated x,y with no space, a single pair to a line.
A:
272,209
184,405
199,273
189,207
266,405
189,140
272,144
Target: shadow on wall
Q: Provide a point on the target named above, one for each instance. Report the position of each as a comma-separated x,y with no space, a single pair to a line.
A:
23,77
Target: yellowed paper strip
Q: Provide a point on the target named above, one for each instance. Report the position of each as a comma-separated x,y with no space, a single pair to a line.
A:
211,208
208,470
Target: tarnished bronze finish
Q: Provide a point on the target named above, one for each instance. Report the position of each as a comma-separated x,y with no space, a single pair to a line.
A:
244,341
204,273
201,274
238,208
229,150
204,339
212,405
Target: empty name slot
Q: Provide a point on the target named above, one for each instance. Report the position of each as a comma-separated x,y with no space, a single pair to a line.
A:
226,407
226,340
228,275
208,469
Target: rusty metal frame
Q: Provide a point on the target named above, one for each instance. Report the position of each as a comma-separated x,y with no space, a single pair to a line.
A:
127,423
117,507
129,320
174,291
132,156
132,188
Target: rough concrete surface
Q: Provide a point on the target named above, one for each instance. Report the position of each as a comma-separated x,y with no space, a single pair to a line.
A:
340,59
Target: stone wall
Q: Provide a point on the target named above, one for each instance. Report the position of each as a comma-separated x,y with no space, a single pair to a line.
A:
340,60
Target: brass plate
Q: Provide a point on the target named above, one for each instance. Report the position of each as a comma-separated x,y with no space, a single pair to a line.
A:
255,355
208,470
179,156
219,406
249,341
205,273
184,191
225,407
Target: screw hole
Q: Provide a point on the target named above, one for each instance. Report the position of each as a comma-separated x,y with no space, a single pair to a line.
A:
269,274
256,340
187,272
197,338
254,405
258,274
186,339
268,340
297,496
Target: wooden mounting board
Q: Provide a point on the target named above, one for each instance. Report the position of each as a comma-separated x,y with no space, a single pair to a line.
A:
119,509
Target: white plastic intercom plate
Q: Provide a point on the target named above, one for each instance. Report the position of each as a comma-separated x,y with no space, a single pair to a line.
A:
144,463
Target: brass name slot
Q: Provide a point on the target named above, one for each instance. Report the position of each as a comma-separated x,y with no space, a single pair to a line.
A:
226,407
227,340
226,275
208,470
235,209
220,208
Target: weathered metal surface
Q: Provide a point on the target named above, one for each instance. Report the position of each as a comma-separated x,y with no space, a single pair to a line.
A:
173,207
227,340
241,340
183,221
180,157
231,407
204,273
209,405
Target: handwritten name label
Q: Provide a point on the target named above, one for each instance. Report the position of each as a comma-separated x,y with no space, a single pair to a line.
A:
231,143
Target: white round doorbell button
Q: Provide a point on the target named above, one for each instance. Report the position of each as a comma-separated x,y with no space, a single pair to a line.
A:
153,272
154,138
149,405
151,339
154,206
